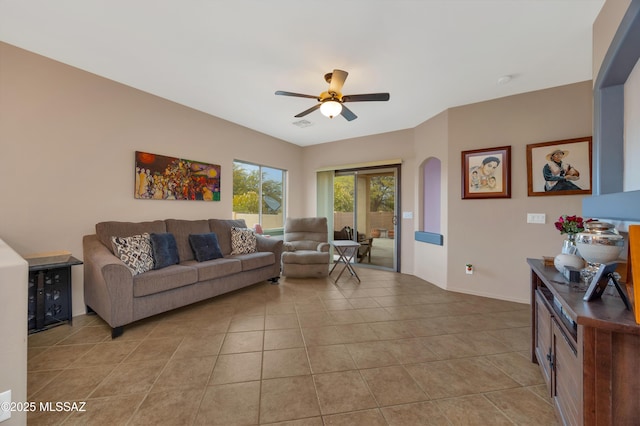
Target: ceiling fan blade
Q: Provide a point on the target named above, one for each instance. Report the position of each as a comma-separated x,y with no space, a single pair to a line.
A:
308,111
347,113
298,95
337,81
366,97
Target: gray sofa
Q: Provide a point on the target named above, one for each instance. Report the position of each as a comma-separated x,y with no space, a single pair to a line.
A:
119,297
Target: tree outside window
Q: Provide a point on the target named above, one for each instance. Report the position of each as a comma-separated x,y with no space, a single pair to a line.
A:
381,193
258,195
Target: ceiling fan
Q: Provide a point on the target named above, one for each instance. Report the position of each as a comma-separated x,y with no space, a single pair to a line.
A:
331,102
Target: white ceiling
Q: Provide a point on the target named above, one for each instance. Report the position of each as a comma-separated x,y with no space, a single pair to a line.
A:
227,58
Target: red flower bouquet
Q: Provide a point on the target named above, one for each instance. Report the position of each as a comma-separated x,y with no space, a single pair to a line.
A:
570,224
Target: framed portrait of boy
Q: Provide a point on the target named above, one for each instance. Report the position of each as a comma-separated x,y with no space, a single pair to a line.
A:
486,173
559,167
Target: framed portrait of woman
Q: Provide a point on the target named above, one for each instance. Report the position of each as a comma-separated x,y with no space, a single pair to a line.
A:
559,167
486,173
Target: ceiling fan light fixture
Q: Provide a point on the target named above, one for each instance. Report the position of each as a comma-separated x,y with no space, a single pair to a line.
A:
330,103
331,108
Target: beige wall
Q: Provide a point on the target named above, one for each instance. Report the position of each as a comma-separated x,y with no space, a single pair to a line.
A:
74,135
492,234
386,146
430,140
68,140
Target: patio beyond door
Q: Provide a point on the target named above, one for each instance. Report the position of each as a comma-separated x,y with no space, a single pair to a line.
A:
364,202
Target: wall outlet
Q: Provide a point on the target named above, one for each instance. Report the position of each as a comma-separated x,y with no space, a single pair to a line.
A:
5,402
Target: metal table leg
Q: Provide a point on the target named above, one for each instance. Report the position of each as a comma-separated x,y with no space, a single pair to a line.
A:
345,257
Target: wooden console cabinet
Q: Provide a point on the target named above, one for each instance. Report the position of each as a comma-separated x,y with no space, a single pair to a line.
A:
588,352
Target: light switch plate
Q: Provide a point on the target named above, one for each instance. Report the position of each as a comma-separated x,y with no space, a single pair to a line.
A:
407,215
540,218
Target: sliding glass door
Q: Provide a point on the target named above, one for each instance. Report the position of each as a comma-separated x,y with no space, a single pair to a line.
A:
364,205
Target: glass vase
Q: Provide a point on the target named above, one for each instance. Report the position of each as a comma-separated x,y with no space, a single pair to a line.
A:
569,245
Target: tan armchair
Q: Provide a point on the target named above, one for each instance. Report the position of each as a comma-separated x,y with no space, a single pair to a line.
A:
306,247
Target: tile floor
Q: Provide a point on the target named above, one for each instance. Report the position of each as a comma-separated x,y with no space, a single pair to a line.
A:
393,350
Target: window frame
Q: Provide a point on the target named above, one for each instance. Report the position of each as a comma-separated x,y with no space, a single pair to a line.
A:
266,231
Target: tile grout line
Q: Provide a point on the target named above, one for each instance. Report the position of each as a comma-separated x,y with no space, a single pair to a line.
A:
321,293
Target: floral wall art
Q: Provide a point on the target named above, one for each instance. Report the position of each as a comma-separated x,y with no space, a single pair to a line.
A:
158,177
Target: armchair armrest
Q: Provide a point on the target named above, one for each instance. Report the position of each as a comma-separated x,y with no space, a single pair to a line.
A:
324,247
287,247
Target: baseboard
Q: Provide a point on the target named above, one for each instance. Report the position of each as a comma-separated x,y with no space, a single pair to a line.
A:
489,295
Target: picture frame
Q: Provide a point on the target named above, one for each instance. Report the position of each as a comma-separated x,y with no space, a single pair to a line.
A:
486,173
601,280
560,167
159,177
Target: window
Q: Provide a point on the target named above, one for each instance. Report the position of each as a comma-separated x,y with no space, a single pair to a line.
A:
259,196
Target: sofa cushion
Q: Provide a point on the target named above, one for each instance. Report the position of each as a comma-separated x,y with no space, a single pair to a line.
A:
205,246
165,250
171,277
222,228
106,230
243,241
181,229
304,257
256,260
215,268
135,251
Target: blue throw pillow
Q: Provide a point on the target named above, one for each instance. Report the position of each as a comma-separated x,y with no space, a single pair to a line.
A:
165,250
205,246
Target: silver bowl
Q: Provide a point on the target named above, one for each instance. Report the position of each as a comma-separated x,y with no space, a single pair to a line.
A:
599,243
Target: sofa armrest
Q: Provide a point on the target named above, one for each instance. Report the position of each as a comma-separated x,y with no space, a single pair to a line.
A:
108,283
268,244
273,245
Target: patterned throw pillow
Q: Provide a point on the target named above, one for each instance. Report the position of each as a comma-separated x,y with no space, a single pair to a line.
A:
243,241
135,252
